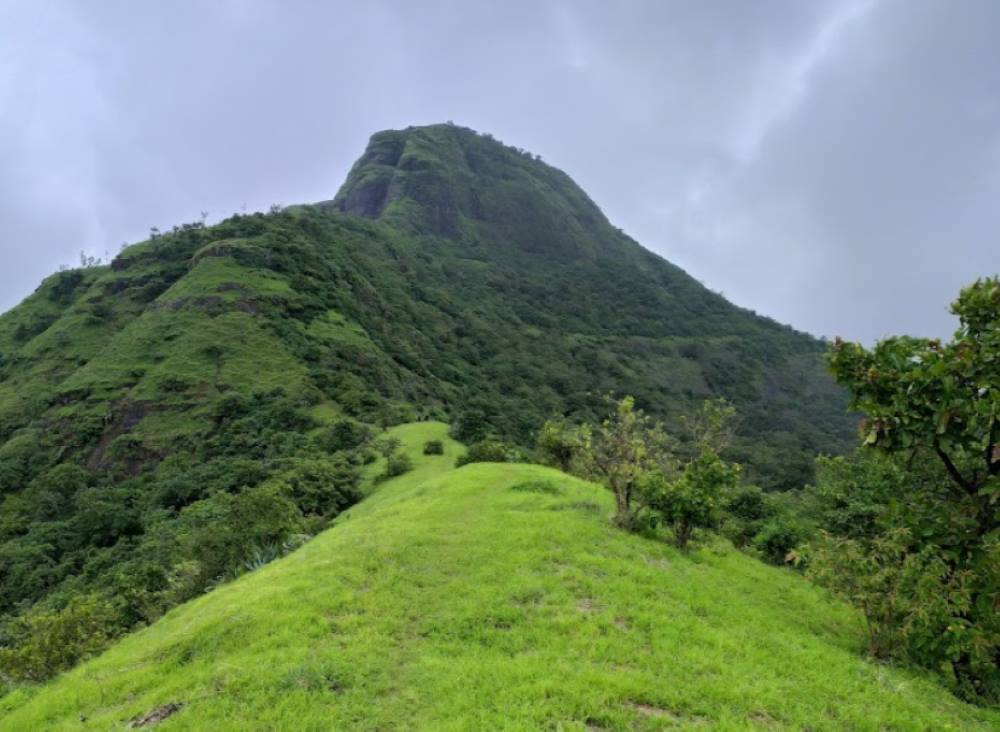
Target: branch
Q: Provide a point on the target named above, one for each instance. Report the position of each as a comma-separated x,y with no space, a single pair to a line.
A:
952,470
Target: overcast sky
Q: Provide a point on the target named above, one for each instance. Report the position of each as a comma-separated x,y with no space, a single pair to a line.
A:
834,164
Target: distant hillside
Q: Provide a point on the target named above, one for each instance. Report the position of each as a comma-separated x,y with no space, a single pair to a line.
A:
163,417
496,597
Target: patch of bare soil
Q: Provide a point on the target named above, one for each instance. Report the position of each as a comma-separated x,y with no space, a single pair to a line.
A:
155,716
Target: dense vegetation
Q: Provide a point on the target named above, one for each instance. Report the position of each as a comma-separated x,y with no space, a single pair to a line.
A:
497,595
913,522
907,528
209,399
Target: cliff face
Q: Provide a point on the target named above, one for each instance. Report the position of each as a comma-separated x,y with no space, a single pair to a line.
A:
451,181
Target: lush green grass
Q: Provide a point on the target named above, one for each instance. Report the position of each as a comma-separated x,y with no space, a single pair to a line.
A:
412,438
496,597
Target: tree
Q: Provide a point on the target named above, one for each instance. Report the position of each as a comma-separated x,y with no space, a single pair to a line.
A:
907,594
559,443
322,487
711,427
920,394
386,446
397,464
345,434
852,493
745,510
935,409
626,445
692,500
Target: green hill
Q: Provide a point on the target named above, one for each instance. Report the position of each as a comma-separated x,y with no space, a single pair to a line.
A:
496,596
205,398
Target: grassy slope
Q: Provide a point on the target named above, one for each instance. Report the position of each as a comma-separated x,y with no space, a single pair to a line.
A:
449,600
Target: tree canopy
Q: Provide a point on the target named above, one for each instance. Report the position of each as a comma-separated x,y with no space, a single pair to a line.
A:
923,526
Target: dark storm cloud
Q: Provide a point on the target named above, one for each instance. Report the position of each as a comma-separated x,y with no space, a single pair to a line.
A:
833,164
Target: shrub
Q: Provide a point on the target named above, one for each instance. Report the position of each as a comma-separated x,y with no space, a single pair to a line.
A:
692,500
398,464
559,444
745,513
44,642
224,528
65,284
433,447
749,503
387,446
488,451
17,456
908,597
345,434
777,538
322,487
916,605
259,556
100,311
231,406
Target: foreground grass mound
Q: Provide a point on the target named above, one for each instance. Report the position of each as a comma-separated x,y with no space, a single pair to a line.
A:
495,596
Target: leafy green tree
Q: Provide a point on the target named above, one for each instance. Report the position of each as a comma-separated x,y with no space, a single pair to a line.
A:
625,446
693,499
852,493
779,536
920,394
225,528
434,447
711,427
322,487
397,464
745,510
106,514
387,446
345,434
935,408
472,422
908,595
52,493
749,503
559,443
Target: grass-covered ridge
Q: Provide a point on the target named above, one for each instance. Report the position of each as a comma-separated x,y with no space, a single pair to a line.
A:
496,596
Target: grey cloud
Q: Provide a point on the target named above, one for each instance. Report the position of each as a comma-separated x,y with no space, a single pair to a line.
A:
832,164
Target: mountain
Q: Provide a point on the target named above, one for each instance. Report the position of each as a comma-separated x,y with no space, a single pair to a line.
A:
496,597
210,393
542,292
